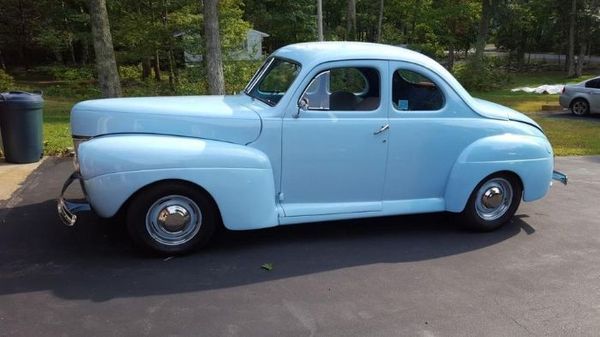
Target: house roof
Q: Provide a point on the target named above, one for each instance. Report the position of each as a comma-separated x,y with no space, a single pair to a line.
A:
254,31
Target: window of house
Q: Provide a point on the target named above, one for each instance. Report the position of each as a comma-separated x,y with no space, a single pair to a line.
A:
412,91
344,89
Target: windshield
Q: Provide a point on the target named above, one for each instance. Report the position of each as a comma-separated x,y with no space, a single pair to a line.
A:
272,80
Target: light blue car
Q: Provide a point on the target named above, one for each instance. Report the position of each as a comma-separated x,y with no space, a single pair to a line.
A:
323,131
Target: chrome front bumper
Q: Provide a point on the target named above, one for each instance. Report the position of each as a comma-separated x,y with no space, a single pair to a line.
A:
68,209
559,176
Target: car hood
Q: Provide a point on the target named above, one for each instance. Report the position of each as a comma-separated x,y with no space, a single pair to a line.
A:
497,111
225,118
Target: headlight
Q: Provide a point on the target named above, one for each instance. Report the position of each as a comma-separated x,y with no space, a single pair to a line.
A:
77,140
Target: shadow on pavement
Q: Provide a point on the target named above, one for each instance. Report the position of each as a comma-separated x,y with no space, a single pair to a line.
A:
568,115
96,261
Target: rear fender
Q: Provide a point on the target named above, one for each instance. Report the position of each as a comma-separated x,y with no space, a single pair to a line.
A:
529,157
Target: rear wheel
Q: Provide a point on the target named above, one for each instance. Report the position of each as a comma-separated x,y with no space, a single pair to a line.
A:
171,218
493,203
580,107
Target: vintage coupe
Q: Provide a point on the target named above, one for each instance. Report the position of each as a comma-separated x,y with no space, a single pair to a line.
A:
323,131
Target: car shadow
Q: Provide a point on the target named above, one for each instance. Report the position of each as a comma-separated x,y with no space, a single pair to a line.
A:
96,261
592,117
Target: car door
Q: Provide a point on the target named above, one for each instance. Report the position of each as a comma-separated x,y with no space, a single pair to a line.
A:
334,147
429,128
593,89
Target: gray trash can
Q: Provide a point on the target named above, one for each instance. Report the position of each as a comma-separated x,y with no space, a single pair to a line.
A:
21,126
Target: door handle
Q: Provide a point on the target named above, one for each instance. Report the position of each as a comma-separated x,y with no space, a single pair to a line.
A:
382,129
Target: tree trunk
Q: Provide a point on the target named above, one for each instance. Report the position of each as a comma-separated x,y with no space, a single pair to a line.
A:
146,68
156,66
484,27
351,21
106,63
2,64
72,51
571,55
380,21
172,78
450,64
85,51
580,59
320,20
214,60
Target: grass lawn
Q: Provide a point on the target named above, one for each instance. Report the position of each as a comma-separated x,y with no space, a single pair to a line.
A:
568,136
57,135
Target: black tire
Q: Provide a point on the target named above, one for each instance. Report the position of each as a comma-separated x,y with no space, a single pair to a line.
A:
170,233
580,107
473,217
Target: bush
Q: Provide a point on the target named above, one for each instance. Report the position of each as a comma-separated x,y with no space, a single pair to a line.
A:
238,73
6,81
130,73
486,75
192,81
62,73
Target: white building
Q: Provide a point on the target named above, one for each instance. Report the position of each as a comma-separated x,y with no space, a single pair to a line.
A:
250,50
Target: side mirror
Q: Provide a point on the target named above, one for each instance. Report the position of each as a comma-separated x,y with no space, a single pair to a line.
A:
302,106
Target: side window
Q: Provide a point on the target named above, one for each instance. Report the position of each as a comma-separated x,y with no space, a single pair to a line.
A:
412,91
344,89
595,84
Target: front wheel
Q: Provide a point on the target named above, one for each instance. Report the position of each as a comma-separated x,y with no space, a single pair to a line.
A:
493,203
171,218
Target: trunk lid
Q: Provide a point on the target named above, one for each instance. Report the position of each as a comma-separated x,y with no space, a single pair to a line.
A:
497,111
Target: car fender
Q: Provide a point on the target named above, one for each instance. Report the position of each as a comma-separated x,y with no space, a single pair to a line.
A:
237,177
529,157
580,95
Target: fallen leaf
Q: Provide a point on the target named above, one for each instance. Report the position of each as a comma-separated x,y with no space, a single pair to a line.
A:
267,266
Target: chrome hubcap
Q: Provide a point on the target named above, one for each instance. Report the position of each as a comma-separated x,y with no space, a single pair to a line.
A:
579,108
173,220
494,199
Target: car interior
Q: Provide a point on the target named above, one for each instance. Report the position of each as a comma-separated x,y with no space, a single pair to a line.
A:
417,92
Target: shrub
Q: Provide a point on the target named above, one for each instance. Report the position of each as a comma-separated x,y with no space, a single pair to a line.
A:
238,73
6,81
487,75
130,73
62,73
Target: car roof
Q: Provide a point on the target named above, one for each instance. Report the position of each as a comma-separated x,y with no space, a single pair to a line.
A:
313,53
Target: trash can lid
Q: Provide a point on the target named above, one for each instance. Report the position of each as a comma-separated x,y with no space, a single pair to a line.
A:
21,96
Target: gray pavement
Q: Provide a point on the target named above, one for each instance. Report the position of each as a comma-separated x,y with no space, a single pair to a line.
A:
398,276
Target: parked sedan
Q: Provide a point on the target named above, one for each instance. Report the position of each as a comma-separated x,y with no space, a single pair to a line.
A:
582,98
323,131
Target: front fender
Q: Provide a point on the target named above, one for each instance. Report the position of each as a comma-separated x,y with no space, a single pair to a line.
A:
239,178
139,152
529,157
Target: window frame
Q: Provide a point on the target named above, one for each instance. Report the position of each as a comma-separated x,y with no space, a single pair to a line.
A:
259,76
328,88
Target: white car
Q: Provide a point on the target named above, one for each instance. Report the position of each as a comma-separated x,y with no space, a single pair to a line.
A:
582,98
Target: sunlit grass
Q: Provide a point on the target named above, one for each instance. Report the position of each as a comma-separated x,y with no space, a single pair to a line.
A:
57,134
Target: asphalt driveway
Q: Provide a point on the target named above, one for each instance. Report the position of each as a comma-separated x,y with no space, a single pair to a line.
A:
399,276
